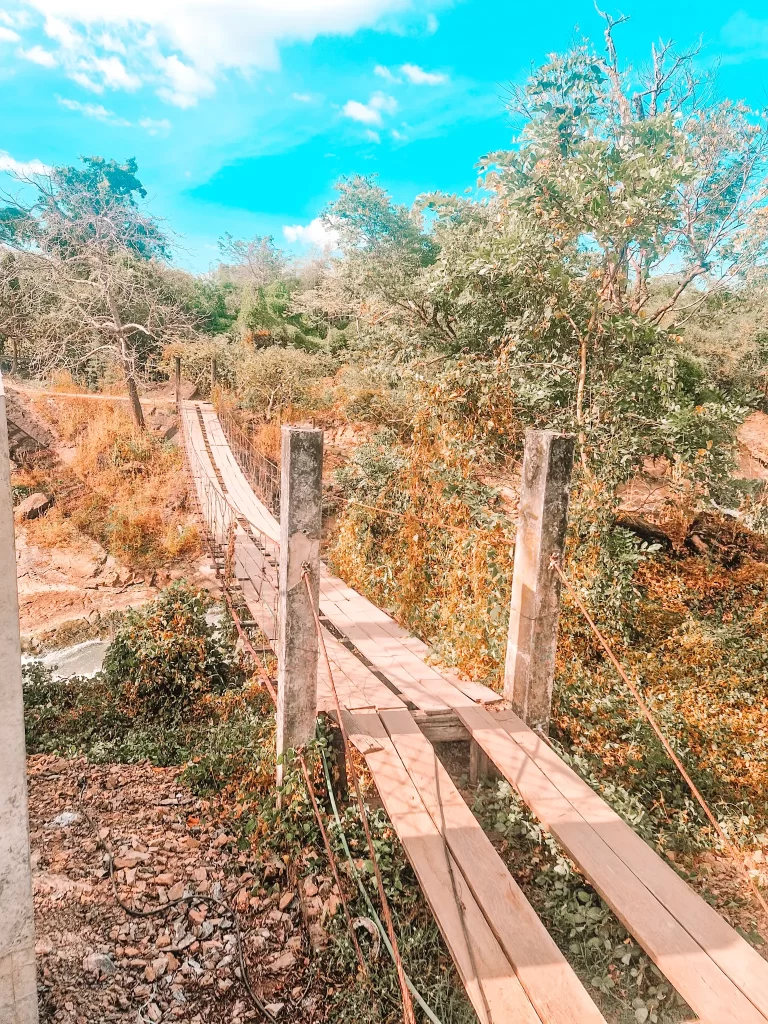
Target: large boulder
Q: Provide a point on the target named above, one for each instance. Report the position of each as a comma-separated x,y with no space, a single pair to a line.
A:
34,506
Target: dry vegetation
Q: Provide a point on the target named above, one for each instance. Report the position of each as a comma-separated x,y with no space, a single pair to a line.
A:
120,487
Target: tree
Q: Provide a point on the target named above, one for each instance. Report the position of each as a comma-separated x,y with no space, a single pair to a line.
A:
559,296
256,261
96,262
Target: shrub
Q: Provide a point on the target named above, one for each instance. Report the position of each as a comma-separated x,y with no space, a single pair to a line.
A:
272,379
166,657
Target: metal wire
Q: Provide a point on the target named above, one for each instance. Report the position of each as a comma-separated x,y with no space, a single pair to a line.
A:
262,473
648,715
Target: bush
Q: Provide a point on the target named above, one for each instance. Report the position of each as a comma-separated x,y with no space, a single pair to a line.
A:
166,657
275,378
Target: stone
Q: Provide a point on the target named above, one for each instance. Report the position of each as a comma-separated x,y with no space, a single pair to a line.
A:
98,963
284,962
63,820
34,506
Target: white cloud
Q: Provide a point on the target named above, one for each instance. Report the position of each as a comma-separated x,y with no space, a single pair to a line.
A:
38,55
101,113
206,37
95,110
114,73
370,112
418,76
301,97
24,168
155,127
372,136
7,35
186,83
361,112
386,74
87,83
315,233
62,33
380,101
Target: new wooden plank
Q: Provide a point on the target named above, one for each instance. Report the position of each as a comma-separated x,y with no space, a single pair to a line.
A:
549,982
733,954
689,968
490,982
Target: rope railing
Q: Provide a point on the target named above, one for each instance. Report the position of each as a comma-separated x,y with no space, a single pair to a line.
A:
262,473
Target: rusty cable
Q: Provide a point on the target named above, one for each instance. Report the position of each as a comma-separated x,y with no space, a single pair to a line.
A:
408,1012
648,715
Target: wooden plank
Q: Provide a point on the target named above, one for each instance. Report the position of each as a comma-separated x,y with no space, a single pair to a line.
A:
495,984
549,982
241,493
740,961
374,692
441,726
689,968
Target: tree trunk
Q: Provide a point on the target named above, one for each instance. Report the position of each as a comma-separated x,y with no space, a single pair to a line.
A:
133,395
128,359
15,363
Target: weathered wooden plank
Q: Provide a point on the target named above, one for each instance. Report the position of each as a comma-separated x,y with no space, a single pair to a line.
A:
689,968
740,961
548,980
487,975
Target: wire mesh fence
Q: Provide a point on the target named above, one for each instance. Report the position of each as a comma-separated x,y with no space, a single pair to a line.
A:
262,473
246,558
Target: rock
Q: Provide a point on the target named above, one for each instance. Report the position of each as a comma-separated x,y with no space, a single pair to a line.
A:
275,1008
284,962
34,506
63,820
285,900
176,891
98,963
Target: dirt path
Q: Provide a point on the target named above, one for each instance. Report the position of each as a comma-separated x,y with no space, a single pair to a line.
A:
95,962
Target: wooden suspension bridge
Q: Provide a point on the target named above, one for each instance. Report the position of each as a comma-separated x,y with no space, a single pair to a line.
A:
396,705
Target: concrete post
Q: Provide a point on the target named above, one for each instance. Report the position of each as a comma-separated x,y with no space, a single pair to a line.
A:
535,606
300,525
18,983
177,380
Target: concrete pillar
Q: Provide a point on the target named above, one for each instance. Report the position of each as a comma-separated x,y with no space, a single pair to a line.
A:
535,606
177,381
18,983
300,525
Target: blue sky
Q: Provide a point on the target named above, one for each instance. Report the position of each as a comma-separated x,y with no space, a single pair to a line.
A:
242,113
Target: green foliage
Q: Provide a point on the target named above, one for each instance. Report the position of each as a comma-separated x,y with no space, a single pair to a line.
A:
74,199
274,378
166,657
622,977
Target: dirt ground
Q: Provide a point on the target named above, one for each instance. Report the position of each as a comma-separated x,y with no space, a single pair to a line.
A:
98,963
57,585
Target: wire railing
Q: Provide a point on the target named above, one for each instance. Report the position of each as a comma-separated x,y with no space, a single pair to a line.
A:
262,473
244,554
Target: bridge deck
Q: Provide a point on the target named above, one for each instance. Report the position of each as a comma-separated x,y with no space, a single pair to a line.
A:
510,966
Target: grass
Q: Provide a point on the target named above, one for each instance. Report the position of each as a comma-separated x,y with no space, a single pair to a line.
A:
122,488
